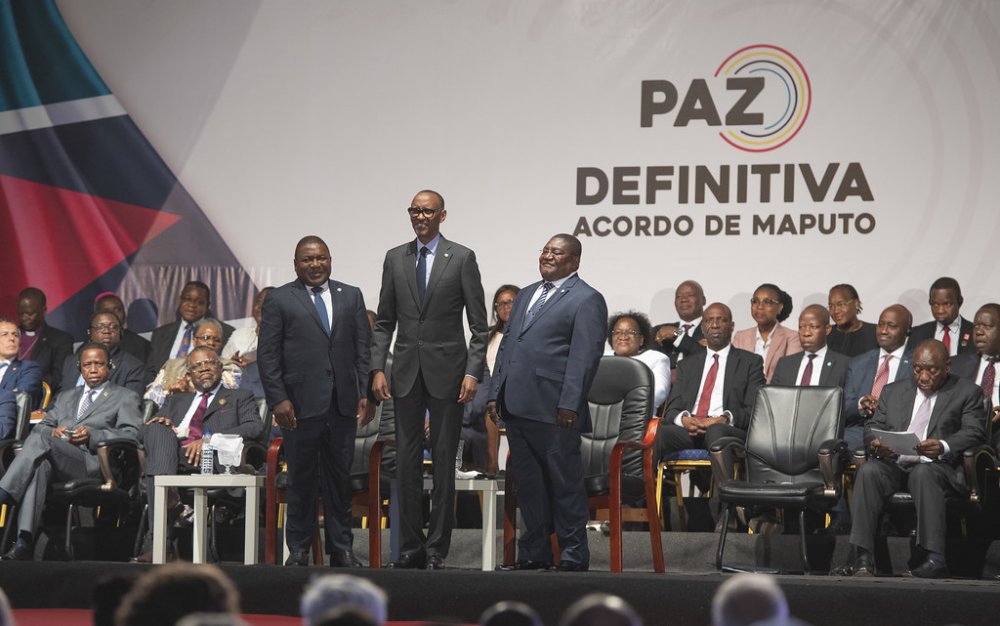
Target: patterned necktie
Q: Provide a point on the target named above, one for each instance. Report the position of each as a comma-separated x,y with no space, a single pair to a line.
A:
88,399
808,372
182,350
321,309
537,306
989,377
195,425
881,377
685,328
422,272
918,426
705,401
946,339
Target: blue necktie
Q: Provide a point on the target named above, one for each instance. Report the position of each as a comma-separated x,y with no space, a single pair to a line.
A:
422,272
321,309
539,303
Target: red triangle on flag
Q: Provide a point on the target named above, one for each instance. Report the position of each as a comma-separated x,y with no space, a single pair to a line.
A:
66,239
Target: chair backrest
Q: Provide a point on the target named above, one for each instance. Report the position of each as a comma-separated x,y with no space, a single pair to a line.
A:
149,409
787,428
266,419
621,403
24,405
380,428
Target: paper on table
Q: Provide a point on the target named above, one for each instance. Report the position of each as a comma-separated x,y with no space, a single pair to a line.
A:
228,447
902,443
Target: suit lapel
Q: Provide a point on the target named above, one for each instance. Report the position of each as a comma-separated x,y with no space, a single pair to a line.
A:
940,405
302,293
442,256
410,270
827,370
520,312
552,299
98,400
905,368
220,400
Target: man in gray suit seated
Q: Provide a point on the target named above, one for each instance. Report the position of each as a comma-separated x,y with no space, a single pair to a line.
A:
64,445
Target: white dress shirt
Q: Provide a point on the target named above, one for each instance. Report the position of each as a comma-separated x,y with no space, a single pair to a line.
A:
954,333
817,367
715,406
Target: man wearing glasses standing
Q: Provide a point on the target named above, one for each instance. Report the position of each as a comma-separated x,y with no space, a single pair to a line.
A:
426,284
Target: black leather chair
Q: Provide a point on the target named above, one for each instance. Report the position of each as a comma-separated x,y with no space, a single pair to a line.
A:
617,456
792,459
7,450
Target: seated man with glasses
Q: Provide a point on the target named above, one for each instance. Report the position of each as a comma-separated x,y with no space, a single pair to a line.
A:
173,376
126,370
173,437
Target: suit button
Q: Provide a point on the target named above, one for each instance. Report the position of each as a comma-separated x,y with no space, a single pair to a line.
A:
329,372
420,343
518,340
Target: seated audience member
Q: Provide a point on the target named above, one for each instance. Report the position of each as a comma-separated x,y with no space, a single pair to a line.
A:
980,368
63,445
133,343
600,609
630,334
715,391
510,613
15,375
165,594
850,335
212,619
107,594
769,306
817,365
344,617
173,437
241,348
946,414
45,345
126,370
948,326
207,333
6,615
177,338
869,373
343,591
683,337
747,599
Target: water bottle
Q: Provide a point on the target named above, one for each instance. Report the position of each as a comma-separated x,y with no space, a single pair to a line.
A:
207,453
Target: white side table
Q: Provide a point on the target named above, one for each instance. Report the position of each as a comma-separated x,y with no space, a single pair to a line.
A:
198,483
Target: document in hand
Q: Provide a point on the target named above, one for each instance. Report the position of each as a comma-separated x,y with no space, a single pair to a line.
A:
902,443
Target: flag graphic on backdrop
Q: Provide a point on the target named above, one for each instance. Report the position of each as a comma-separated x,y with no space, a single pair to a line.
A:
86,204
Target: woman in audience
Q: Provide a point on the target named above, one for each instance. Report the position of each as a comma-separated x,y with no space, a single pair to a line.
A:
631,334
241,348
173,375
769,306
850,335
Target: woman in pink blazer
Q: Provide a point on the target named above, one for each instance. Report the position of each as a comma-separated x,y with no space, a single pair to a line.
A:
769,307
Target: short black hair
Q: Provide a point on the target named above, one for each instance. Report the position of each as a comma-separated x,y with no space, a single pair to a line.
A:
199,285
435,194
32,292
848,288
309,239
573,245
783,298
641,319
93,345
94,315
947,282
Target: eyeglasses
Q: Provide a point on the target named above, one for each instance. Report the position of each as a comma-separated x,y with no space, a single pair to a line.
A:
504,303
416,211
624,333
843,304
765,302
112,327
202,366
209,338
556,253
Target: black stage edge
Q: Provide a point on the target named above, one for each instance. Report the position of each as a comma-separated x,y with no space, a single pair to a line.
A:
463,594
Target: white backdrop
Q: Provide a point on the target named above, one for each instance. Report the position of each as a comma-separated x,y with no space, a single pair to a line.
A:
284,118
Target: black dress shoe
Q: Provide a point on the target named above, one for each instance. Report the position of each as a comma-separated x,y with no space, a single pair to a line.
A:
930,569
344,558
20,551
523,566
412,560
434,561
863,566
298,557
570,566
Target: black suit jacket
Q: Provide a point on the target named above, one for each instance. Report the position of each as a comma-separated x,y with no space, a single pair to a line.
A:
926,331
681,345
299,362
744,375
163,339
232,412
958,417
966,365
832,372
126,371
136,345
49,352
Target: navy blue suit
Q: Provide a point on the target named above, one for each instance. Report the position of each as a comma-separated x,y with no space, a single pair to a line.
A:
860,378
23,376
543,366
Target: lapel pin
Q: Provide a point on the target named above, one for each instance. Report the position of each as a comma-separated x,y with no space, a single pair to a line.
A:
222,401
339,289
446,255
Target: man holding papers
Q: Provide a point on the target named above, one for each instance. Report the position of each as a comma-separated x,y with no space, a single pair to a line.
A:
946,415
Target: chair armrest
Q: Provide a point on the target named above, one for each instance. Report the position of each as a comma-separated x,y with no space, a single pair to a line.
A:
859,457
254,454
975,462
114,442
104,450
723,455
832,460
647,445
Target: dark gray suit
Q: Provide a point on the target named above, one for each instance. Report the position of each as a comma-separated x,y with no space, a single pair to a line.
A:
114,413
959,419
126,371
430,359
860,378
323,377
832,371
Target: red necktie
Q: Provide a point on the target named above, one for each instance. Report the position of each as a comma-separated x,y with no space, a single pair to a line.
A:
194,428
946,339
807,373
705,401
881,377
989,377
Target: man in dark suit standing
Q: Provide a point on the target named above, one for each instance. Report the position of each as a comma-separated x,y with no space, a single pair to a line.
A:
683,338
715,391
948,327
815,366
126,370
313,359
173,438
980,367
15,375
426,284
64,445
45,345
176,338
947,416
545,366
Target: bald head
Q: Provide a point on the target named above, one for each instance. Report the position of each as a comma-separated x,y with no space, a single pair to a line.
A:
814,327
689,300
